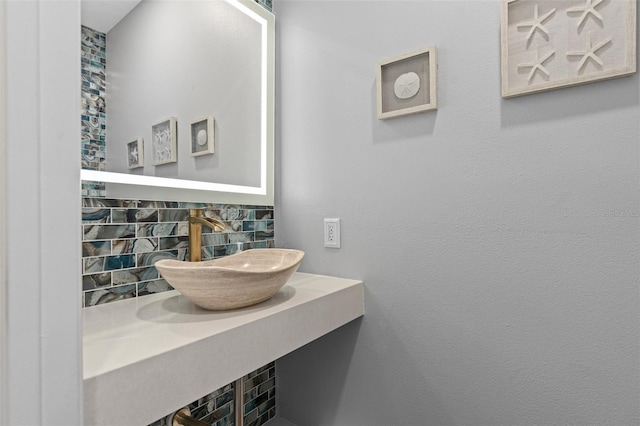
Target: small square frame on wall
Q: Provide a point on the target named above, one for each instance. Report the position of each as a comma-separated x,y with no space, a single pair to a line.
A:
135,153
406,84
164,141
551,44
202,136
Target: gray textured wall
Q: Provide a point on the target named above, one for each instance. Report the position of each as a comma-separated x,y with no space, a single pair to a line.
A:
498,239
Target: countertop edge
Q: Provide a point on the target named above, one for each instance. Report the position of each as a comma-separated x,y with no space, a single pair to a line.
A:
142,392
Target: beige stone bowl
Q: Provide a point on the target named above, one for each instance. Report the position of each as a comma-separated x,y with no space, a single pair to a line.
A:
232,282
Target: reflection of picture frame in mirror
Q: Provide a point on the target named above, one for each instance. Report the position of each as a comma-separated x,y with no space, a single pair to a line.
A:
202,136
406,84
135,153
163,142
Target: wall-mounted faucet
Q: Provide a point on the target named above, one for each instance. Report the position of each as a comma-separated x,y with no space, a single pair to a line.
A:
196,221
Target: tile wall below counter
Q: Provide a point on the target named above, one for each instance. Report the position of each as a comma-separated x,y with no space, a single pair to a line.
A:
218,407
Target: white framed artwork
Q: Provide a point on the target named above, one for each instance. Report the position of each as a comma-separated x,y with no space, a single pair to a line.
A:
202,136
550,44
163,143
406,84
135,153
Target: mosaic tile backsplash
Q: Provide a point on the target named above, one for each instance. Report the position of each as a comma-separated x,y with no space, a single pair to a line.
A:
259,400
122,239
94,119
265,3
218,407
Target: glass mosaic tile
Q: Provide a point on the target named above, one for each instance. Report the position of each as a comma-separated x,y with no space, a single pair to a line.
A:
267,4
241,237
108,202
233,213
218,414
119,262
92,264
149,259
158,230
157,204
111,294
93,281
93,189
134,275
264,214
93,105
139,245
227,421
216,238
173,215
169,243
152,287
96,248
224,398
256,380
108,232
264,235
134,215
262,244
254,403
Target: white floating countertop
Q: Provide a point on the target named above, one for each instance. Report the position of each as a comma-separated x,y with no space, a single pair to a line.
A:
149,356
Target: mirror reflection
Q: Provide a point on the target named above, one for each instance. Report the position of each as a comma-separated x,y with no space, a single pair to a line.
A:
187,102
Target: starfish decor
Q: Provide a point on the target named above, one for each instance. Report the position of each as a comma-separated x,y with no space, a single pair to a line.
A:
588,9
590,53
536,23
538,66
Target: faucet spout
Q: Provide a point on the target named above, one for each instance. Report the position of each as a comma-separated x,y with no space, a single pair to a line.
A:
196,221
209,222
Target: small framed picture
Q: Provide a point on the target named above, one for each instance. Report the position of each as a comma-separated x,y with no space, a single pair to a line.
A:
202,136
135,153
163,143
406,84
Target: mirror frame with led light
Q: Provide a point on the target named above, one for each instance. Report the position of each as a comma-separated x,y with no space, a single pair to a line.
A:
129,186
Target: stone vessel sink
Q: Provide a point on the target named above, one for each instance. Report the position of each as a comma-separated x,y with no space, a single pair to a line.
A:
232,282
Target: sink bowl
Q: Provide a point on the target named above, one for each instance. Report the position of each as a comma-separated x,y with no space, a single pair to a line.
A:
232,282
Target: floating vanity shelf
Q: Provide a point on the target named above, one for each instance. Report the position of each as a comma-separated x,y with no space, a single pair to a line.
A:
148,356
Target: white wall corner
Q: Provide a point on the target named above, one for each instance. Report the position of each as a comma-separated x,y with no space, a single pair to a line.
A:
41,211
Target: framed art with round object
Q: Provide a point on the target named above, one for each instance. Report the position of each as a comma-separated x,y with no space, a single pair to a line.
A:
202,136
406,84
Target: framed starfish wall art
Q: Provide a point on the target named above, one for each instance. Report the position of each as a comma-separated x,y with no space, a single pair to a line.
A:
135,154
164,142
406,84
549,44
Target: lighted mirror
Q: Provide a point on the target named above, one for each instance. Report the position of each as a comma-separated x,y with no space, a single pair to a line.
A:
190,103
